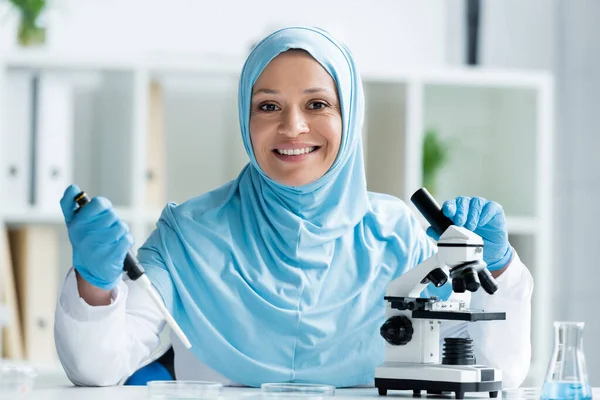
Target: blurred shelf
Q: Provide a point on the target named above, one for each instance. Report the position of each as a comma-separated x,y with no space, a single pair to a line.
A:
44,59
165,62
36,216
200,63
522,225
32,216
183,63
460,76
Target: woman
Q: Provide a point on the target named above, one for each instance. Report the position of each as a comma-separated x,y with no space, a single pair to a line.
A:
280,274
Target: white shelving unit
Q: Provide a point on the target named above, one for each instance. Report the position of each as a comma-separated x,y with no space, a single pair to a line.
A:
499,124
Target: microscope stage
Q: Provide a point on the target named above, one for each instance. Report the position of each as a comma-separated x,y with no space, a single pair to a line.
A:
470,316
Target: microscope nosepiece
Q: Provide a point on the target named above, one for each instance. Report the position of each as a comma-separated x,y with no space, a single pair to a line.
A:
438,277
458,285
487,281
471,280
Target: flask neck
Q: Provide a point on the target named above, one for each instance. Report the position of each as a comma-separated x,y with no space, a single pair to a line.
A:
569,334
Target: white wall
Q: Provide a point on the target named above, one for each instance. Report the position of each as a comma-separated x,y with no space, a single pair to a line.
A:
578,68
400,31
455,32
519,34
562,36
513,34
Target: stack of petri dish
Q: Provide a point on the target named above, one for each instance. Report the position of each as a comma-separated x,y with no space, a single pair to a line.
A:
293,390
169,390
521,394
16,380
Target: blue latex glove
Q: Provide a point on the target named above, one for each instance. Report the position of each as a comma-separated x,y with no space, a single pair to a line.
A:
100,240
486,219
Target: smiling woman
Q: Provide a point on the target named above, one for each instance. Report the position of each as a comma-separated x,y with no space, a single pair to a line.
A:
280,274
295,119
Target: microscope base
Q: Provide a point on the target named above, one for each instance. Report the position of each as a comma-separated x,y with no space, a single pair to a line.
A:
459,379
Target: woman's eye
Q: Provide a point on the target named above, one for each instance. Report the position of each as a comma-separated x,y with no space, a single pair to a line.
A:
317,105
268,107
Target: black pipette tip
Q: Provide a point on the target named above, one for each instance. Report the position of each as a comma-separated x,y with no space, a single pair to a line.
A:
81,199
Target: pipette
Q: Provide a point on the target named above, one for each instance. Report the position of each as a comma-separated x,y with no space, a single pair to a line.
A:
136,272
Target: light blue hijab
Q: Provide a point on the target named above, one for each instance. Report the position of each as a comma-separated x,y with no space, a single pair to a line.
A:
277,284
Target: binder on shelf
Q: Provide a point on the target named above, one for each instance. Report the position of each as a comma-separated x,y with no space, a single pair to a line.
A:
35,253
53,140
12,334
155,155
15,141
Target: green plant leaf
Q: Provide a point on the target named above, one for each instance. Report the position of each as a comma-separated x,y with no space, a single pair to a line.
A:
435,155
29,9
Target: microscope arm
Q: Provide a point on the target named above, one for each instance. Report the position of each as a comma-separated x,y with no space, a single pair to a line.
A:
414,281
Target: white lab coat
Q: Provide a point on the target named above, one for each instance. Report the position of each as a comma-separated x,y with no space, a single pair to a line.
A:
101,346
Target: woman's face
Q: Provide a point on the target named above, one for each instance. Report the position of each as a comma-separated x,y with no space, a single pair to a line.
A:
295,119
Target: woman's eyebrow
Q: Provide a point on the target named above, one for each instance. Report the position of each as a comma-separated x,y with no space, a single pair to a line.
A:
267,91
318,89
310,90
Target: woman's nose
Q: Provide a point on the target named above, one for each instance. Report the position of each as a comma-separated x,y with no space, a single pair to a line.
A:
293,124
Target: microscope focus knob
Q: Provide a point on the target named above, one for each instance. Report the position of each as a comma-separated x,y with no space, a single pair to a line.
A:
397,330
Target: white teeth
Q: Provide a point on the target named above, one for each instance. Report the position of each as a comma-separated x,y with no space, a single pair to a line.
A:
296,152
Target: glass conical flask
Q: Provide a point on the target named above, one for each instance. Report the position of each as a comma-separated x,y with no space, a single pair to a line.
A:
567,377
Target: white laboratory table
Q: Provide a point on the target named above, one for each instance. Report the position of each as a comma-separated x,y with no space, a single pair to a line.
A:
141,392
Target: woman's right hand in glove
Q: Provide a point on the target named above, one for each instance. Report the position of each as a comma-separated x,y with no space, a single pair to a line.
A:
99,239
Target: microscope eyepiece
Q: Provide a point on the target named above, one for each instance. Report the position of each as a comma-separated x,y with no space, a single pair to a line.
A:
463,276
431,210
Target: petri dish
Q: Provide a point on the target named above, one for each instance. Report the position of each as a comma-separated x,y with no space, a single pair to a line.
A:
521,394
16,380
310,390
170,390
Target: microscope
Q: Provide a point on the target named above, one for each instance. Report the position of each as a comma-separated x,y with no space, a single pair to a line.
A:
412,326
